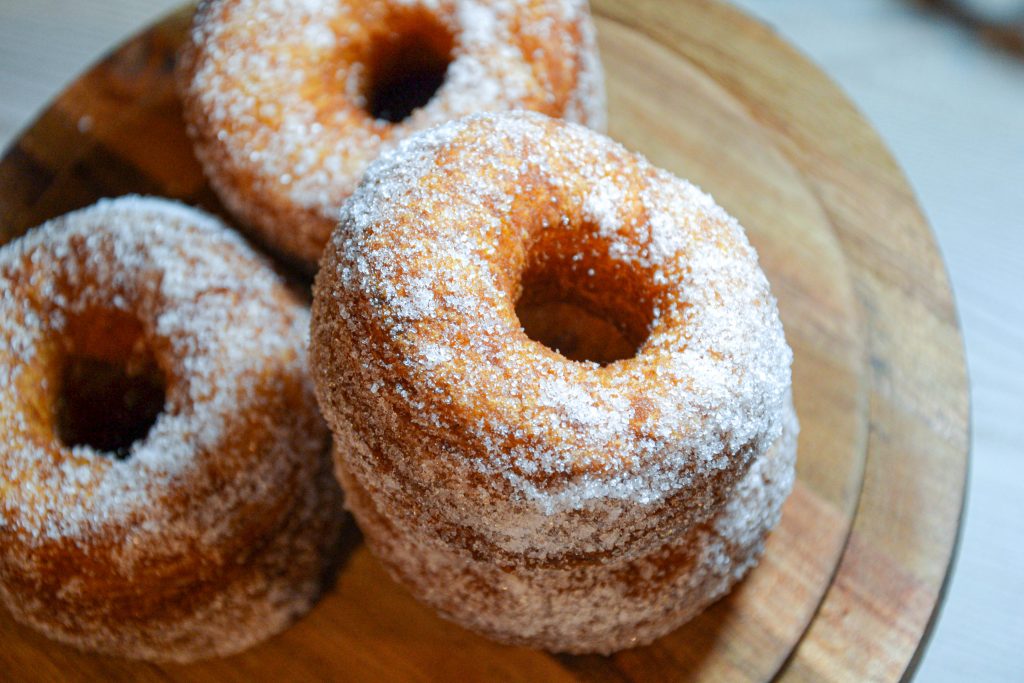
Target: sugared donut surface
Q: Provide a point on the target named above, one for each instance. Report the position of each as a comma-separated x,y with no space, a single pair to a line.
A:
621,603
289,101
467,435
166,489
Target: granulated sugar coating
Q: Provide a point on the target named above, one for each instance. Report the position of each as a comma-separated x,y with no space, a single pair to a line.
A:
216,528
282,96
586,608
462,439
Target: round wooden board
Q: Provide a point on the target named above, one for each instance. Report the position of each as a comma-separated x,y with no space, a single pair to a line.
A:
878,378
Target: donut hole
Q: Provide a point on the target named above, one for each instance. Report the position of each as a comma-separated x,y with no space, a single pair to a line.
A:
582,305
406,66
111,388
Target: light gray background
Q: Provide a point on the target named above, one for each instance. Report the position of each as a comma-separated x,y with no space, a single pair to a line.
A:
951,109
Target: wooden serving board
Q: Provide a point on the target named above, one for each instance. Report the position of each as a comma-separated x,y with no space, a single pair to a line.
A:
853,575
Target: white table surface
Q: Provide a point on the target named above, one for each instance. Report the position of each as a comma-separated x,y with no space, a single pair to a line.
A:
951,109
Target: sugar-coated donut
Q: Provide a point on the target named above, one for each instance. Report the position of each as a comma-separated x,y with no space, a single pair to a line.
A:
288,102
208,528
459,436
586,608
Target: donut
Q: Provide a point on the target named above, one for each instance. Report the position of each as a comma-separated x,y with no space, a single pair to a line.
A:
589,608
167,489
477,422
288,102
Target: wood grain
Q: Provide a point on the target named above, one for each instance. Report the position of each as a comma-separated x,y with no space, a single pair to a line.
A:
709,94
878,612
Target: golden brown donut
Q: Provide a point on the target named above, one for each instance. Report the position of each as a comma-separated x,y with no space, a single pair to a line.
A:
288,102
492,450
166,491
583,607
